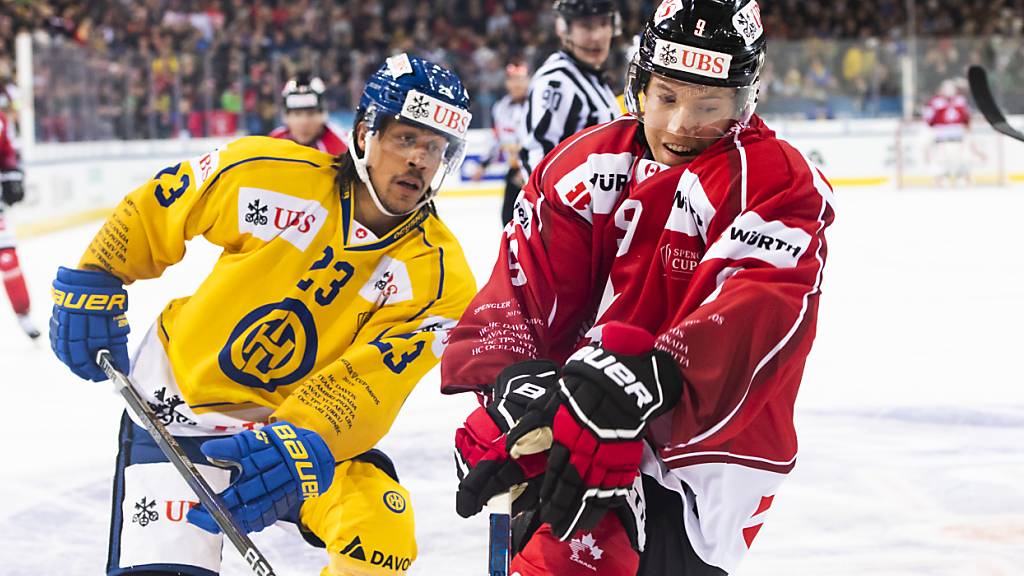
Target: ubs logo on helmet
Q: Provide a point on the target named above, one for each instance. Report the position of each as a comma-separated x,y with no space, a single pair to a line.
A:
436,114
274,345
692,59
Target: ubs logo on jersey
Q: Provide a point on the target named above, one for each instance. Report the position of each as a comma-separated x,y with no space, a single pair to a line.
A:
145,512
302,221
268,215
274,345
678,262
204,166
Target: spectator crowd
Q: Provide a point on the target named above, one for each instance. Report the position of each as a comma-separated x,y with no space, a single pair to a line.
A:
123,69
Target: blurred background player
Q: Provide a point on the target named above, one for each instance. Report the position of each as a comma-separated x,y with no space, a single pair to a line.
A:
568,92
950,119
305,116
332,299
506,117
13,191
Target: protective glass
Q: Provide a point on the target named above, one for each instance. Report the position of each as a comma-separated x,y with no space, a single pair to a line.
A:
451,153
687,109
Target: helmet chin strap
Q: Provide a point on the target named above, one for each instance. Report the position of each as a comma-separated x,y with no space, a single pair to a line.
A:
363,172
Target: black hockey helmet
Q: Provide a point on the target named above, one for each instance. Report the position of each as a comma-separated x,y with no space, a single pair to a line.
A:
705,43
304,92
568,10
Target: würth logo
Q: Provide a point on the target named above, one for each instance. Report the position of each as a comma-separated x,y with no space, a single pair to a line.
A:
763,241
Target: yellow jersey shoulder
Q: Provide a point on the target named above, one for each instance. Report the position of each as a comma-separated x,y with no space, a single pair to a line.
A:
274,163
459,275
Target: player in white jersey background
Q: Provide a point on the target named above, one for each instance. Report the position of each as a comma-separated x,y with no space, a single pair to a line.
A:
506,116
568,92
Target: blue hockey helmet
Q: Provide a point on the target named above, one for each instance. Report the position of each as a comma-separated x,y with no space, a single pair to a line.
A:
419,92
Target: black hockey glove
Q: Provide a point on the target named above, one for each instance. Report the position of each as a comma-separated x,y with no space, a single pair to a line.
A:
482,460
608,394
13,190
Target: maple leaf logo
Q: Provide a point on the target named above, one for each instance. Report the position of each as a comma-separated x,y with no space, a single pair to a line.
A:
588,543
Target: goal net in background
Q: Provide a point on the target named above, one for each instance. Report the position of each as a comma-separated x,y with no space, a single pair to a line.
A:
922,160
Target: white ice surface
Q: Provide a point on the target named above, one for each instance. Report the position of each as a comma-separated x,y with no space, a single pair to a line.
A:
911,413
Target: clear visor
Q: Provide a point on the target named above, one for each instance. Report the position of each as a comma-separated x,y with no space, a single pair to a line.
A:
449,150
685,109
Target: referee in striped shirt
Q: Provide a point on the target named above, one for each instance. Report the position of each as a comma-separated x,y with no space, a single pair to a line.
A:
568,93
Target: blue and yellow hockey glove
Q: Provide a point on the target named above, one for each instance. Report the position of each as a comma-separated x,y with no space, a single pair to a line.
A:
89,315
277,468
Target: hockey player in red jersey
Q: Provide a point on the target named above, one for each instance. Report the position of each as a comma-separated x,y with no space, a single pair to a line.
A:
12,191
305,116
639,345
950,121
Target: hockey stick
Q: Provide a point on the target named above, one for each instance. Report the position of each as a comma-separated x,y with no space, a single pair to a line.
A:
978,80
499,549
172,450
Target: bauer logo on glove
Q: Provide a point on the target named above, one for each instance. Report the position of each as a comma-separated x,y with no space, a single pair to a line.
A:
278,468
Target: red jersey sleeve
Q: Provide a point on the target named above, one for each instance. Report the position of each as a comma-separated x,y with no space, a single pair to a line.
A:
748,320
8,153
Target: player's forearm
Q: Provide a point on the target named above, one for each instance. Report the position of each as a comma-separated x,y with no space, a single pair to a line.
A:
130,245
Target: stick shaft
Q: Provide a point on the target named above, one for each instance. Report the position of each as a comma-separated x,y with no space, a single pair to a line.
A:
982,92
173,451
499,549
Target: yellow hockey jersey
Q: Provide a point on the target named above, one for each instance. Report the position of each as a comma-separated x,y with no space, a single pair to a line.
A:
329,334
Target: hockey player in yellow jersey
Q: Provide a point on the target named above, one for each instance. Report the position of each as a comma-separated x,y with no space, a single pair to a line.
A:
332,297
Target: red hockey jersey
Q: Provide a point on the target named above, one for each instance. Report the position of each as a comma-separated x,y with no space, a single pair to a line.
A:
8,153
721,259
331,140
948,116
